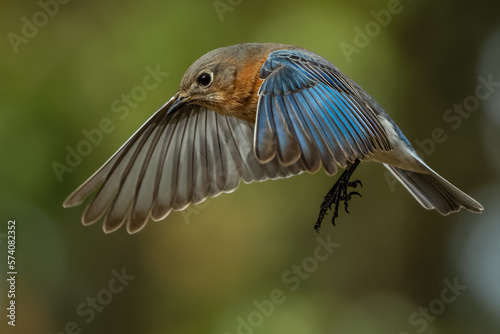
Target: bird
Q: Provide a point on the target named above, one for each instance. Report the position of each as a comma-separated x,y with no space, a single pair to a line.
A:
255,112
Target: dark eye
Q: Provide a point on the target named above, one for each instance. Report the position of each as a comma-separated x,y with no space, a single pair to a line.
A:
205,79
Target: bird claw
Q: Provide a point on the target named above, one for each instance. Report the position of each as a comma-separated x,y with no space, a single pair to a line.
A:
355,183
354,193
339,192
335,215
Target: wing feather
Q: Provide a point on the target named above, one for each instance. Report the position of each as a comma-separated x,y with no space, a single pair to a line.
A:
174,160
309,111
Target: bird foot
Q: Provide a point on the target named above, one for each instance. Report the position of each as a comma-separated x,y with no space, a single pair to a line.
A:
338,193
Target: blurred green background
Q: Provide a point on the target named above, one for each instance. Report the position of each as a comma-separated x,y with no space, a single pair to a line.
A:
213,268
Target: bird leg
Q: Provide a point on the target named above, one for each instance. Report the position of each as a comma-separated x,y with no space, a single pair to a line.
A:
338,193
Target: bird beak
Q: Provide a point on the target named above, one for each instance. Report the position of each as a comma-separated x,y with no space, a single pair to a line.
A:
176,102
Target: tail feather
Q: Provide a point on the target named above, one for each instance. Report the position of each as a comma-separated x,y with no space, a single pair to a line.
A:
434,192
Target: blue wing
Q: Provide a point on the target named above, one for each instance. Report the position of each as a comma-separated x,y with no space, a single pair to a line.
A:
309,111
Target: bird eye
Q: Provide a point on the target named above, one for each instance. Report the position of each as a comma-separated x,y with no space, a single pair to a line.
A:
205,79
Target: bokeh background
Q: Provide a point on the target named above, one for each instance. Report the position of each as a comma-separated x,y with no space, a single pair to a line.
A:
204,270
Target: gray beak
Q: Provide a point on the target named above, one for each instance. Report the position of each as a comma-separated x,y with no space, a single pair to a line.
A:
176,103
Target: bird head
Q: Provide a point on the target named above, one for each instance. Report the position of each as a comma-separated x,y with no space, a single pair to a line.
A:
209,81
226,80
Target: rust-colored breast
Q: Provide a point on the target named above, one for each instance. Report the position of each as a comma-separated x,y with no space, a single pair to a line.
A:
246,88
242,99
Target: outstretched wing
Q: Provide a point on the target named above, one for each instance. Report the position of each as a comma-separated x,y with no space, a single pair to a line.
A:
173,160
309,111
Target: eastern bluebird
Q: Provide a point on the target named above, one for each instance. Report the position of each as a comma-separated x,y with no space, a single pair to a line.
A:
254,112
